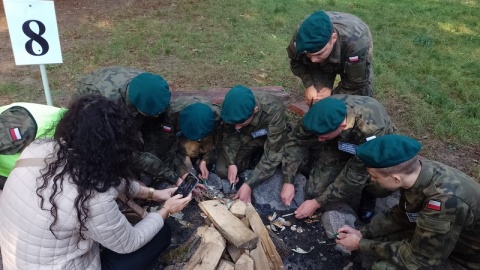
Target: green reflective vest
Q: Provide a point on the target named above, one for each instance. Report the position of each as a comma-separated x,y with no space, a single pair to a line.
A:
45,117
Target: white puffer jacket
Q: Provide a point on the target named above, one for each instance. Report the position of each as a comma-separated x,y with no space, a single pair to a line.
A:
26,241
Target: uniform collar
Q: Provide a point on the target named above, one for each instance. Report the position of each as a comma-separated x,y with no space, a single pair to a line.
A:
336,54
131,109
350,123
256,116
424,178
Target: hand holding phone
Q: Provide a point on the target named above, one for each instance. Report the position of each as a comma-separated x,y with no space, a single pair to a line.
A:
187,185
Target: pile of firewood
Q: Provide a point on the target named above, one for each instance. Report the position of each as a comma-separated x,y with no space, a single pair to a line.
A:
236,239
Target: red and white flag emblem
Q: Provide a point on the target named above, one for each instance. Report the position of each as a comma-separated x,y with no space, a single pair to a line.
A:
167,128
353,58
15,133
434,205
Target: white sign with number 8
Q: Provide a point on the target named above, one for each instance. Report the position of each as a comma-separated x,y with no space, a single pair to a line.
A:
33,32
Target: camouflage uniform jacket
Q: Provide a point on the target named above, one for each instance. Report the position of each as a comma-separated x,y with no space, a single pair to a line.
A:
447,205
366,117
112,82
270,118
173,137
351,57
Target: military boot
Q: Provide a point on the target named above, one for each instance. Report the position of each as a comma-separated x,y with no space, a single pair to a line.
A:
366,210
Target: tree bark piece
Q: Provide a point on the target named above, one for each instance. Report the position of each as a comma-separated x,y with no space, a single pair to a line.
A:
257,225
244,263
217,95
229,226
209,252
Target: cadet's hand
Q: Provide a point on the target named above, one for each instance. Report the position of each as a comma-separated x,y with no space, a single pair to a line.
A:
287,194
349,238
176,203
163,194
306,209
180,179
323,93
198,189
310,95
345,229
203,170
244,193
232,174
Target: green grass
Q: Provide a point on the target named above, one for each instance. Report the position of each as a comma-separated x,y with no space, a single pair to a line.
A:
427,53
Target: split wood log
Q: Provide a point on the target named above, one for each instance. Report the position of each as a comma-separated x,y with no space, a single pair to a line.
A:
209,252
229,225
234,252
258,227
244,263
260,257
238,208
225,265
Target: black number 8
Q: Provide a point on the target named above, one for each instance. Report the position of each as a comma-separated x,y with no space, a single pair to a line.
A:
35,37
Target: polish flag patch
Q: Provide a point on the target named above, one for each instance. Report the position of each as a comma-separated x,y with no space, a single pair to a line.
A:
353,58
167,128
15,134
434,205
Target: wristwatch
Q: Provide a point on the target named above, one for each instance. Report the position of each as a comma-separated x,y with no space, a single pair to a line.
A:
150,194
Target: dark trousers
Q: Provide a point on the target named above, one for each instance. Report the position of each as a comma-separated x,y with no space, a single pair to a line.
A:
140,259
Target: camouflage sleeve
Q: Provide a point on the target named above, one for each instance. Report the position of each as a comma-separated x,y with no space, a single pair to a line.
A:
356,77
297,66
179,163
230,144
149,163
296,147
352,177
212,155
433,239
392,221
273,148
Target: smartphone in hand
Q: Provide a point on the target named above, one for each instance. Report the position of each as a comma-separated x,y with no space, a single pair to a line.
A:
187,185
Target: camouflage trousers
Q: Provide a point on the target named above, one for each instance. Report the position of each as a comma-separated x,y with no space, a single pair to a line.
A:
244,157
403,235
330,162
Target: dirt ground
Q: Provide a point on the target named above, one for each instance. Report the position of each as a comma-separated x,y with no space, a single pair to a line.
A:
72,15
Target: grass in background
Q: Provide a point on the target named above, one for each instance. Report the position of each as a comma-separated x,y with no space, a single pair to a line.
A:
427,53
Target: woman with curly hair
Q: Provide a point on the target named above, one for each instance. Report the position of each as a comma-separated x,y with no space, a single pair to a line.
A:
59,204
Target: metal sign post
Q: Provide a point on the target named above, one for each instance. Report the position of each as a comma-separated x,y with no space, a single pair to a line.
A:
34,34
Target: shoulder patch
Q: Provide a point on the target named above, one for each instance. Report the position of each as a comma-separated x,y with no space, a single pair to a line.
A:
15,134
434,205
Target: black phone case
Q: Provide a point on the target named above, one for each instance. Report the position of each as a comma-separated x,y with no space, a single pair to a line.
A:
187,185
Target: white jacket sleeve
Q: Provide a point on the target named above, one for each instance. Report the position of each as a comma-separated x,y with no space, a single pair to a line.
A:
109,227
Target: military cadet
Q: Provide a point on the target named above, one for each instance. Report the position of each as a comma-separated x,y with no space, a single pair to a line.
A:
196,123
252,122
330,43
146,97
436,224
20,124
343,122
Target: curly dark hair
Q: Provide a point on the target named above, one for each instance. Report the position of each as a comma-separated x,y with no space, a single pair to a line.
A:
95,142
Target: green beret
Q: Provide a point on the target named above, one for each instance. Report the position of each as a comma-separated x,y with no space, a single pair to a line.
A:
197,121
387,151
325,116
149,93
314,33
238,105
